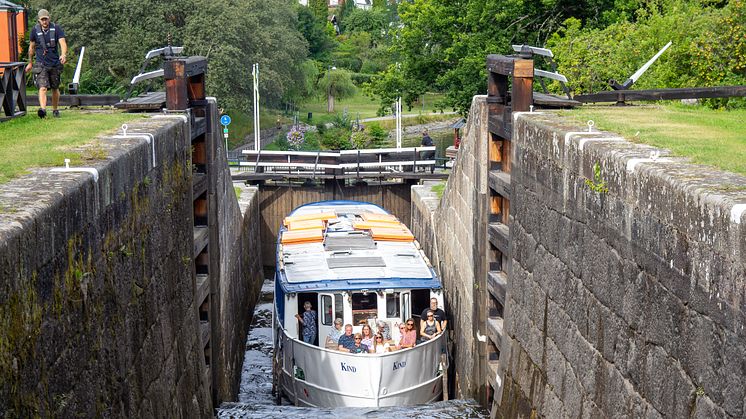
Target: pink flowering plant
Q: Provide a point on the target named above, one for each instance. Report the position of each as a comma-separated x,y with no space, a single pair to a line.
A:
295,139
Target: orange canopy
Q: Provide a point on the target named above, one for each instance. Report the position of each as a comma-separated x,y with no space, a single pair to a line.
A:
302,236
392,234
369,216
306,225
325,216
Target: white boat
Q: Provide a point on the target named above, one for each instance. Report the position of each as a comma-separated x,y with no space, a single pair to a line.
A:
356,262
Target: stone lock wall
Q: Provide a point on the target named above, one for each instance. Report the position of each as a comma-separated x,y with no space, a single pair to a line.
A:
97,290
452,231
628,302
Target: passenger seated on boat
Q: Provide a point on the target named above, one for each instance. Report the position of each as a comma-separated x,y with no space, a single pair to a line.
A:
358,347
346,341
409,336
429,327
332,339
383,329
379,346
308,320
367,336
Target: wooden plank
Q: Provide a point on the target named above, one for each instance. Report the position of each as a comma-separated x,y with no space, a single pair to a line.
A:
523,68
204,328
552,101
497,125
497,284
664,94
77,100
199,184
500,64
499,181
203,287
495,330
499,234
145,101
201,237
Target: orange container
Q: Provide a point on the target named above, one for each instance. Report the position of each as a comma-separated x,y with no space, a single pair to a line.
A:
325,216
13,29
302,236
306,225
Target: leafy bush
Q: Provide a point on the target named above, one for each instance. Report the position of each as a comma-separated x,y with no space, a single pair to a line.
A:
360,78
709,48
377,134
336,139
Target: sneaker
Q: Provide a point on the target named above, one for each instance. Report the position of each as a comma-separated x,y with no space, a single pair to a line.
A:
42,113
56,113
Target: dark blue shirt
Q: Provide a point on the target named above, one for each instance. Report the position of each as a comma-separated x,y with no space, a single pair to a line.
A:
346,341
45,54
362,349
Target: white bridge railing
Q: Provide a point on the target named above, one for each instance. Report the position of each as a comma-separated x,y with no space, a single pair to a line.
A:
339,162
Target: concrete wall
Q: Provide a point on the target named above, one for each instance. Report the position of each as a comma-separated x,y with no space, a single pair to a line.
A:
452,231
626,303
97,307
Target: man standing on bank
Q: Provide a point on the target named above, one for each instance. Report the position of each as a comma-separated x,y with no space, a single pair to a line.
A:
45,37
440,315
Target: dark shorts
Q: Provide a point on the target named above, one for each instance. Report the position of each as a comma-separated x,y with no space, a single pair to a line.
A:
48,77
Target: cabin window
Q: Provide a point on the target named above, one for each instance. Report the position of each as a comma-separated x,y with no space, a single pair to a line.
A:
392,305
338,307
326,307
364,307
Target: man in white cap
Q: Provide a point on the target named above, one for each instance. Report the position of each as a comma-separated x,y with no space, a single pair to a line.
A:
45,37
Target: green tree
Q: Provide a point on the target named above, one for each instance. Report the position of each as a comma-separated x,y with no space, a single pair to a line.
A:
336,83
231,34
320,42
442,44
391,84
319,8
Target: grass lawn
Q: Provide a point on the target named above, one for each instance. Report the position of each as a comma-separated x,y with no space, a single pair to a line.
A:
28,141
242,124
359,105
712,137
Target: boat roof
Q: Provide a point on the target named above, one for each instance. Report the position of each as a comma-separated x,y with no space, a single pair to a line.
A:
352,252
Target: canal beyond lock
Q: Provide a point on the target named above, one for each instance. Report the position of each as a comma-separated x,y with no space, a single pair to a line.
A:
255,395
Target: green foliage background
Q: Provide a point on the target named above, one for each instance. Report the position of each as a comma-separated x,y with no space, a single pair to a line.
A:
709,48
231,34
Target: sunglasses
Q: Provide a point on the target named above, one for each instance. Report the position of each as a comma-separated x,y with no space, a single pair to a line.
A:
379,338
429,315
358,338
410,324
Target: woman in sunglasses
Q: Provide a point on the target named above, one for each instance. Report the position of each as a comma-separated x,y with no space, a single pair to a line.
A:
409,335
379,347
429,327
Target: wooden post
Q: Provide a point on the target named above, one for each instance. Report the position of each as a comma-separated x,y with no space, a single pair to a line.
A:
177,98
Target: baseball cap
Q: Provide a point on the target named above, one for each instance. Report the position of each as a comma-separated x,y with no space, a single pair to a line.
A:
43,13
